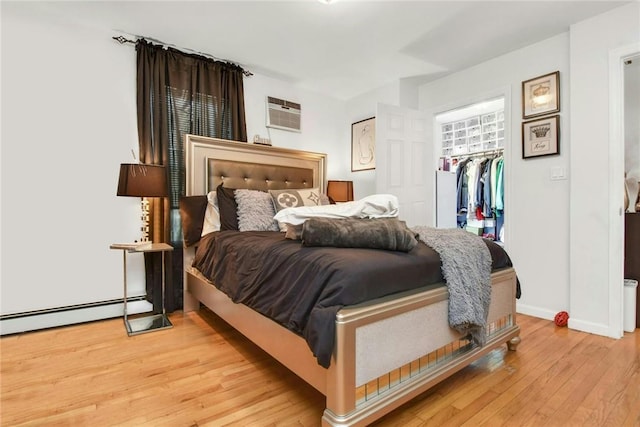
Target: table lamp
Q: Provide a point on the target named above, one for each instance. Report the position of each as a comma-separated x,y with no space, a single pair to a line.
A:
140,180
340,191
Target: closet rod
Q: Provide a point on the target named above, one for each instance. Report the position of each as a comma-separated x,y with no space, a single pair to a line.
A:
123,40
480,153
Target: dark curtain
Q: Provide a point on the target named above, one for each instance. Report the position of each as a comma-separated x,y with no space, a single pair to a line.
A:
179,94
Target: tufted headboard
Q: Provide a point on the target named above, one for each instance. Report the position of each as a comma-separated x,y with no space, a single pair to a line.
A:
211,161
256,176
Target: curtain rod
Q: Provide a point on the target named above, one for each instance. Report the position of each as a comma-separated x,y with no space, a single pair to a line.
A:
123,40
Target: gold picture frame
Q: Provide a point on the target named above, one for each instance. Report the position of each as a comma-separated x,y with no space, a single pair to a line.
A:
541,137
363,145
541,95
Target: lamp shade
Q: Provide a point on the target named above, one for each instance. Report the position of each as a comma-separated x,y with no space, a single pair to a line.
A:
140,180
340,191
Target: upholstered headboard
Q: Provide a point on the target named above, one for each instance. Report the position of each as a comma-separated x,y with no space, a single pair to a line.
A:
211,161
256,176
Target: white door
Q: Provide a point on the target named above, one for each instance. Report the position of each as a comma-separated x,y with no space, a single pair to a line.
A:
404,165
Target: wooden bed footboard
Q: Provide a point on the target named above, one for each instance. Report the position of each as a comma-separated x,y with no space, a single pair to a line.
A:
381,360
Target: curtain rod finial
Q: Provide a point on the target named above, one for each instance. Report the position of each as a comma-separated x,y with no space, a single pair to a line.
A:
122,40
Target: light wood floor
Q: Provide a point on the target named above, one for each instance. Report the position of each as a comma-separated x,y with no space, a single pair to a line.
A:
201,372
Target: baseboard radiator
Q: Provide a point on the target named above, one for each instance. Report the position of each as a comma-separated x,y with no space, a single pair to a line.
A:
69,315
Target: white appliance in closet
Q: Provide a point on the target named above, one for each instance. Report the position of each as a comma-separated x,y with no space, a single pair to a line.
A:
446,200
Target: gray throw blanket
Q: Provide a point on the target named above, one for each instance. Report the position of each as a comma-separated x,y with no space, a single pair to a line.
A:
466,267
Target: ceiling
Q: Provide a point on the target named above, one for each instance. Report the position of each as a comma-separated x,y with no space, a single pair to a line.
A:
341,49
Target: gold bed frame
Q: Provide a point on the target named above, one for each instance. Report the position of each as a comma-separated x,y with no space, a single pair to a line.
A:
365,380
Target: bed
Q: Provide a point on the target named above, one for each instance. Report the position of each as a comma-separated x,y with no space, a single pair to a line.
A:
364,380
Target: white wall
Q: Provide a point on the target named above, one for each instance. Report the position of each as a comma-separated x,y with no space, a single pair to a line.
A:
593,215
68,121
360,108
537,209
558,231
321,117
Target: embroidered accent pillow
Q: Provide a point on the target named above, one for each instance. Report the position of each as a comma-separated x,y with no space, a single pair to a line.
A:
288,198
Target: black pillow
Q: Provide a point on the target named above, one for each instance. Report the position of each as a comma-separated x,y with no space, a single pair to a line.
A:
192,211
228,208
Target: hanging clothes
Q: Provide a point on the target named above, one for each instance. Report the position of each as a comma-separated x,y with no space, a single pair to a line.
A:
480,192
500,188
486,202
462,180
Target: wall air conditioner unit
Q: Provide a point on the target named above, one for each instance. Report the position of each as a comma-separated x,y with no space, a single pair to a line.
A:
283,114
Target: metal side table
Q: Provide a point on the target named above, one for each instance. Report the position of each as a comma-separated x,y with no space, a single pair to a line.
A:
155,322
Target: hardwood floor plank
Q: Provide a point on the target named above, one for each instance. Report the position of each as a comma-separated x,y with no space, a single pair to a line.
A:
471,409
529,400
609,393
203,373
527,366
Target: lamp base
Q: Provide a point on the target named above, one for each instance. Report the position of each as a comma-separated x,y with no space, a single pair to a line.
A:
140,325
144,220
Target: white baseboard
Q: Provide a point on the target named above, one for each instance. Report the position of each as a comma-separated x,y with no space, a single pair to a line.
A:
530,310
577,324
68,316
590,327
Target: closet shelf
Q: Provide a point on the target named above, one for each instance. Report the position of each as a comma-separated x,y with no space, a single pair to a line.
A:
473,135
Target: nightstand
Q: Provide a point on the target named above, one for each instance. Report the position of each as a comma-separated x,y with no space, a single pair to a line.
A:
140,325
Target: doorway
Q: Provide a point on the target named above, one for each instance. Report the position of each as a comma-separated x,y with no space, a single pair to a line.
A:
632,186
618,104
469,143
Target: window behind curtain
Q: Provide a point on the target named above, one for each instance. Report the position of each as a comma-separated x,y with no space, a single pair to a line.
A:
187,114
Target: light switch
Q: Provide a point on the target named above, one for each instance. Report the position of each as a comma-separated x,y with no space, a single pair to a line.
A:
558,173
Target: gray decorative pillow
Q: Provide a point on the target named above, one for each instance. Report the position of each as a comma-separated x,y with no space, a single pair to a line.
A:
255,211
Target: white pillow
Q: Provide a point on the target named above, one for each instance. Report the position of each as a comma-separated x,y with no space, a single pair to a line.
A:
374,206
211,214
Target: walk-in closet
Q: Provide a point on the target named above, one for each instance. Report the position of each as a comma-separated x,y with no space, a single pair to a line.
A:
470,178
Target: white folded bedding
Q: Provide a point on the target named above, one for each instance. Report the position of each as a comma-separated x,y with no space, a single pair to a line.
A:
374,206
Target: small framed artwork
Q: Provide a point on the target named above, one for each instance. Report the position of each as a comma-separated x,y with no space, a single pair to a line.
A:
541,137
541,95
363,145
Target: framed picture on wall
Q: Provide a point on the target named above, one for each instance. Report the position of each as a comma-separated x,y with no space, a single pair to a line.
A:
363,145
541,95
541,137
